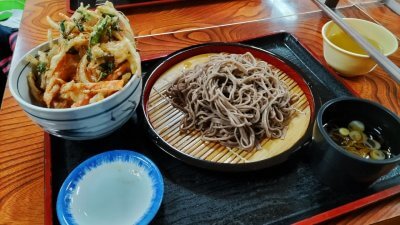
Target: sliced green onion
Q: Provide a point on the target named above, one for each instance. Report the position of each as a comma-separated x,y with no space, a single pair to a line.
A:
355,135
344,131
364,137
373,144
356,125
377,154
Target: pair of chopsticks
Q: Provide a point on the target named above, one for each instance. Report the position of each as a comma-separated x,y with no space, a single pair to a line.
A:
381,60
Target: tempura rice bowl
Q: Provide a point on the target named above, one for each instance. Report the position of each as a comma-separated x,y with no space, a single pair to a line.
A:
81,123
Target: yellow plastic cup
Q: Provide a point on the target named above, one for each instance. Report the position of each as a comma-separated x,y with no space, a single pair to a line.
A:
348,63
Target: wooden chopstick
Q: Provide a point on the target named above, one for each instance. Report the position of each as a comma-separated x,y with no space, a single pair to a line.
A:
381,60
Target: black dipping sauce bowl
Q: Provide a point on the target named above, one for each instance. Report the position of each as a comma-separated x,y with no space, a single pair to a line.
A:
340,169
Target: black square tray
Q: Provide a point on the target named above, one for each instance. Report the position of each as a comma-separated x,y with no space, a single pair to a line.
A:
281,194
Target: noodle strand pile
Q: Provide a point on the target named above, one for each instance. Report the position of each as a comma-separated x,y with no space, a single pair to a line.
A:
234,99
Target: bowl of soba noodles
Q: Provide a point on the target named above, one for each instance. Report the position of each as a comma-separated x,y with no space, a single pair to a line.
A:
87,82
227,106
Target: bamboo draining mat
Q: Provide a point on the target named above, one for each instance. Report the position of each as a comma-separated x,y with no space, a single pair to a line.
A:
165,120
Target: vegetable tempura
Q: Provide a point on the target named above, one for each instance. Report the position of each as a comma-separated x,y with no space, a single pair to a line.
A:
94,57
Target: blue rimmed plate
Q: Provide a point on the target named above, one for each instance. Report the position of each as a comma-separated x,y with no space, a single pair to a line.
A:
115,187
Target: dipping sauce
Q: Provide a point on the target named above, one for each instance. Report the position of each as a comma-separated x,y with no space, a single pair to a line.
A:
344,41
355,138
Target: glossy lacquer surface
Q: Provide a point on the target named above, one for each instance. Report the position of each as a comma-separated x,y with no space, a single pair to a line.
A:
162,30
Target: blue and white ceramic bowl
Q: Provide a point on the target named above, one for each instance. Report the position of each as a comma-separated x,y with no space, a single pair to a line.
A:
81,123
115,187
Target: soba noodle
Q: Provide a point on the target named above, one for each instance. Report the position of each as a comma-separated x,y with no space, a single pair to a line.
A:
234,99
